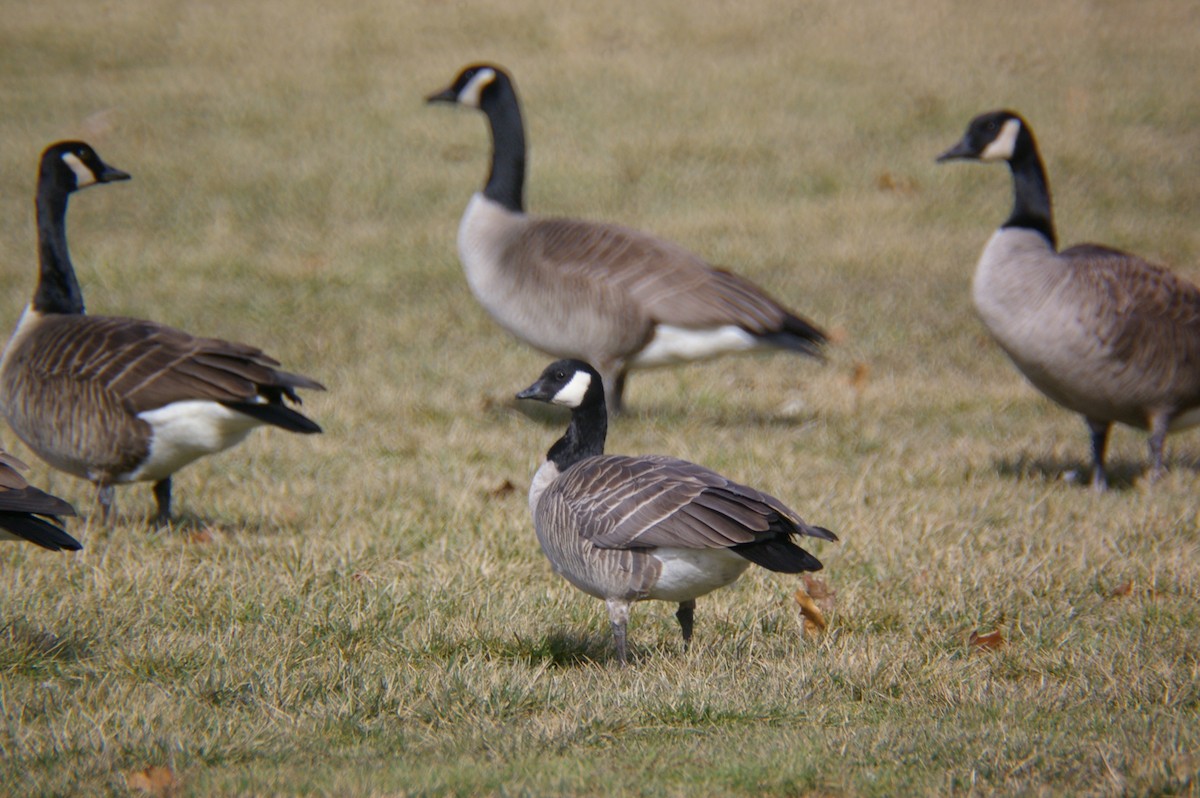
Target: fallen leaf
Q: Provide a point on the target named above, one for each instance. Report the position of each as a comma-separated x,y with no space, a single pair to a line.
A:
886,181
204,535
860,377
1122,590
503,489
820,591
156,779
989,641
814,619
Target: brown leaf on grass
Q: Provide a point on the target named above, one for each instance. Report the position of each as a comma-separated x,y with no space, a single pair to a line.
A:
989,641
204,535
1122,590
860,377
156,779
814,619
503,489
820,591
886,181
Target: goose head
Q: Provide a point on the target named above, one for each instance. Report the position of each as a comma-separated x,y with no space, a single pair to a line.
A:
73,165
473,87
993,136
568,383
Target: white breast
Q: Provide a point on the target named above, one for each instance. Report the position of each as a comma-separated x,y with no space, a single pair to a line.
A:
483,234
542,478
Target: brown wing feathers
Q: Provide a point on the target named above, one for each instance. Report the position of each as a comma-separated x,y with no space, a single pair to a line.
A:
672,285
148,365
656,501
20,504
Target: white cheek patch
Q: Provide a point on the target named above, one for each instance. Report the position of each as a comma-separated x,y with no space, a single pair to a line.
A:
1003,146
84,176
571,394
469,96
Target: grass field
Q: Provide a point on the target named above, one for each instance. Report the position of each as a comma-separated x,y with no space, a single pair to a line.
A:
367,612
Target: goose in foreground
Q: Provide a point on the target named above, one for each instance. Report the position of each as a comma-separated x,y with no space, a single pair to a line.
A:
27,513
626,529
618,298
1097,330
117,400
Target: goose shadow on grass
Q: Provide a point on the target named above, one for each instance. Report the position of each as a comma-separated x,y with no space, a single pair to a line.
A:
567,649
24,640
184,524
1123,474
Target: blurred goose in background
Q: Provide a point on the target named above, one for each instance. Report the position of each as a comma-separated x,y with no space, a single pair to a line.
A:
618,298
626,529
27,513
117,400
1100,331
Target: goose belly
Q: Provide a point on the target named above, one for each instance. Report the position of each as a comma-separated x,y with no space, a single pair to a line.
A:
690,573
671,344
185,431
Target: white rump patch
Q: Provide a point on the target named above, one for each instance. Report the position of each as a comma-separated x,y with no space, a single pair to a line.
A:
84,176
186,431
691,573
571,394
672,344
1002,147
470,94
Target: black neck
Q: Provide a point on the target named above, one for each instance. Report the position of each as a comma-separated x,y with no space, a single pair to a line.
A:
57,289
506,183
1031,204
584,437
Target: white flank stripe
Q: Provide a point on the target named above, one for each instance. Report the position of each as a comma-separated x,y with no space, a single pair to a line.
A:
186,431
672,344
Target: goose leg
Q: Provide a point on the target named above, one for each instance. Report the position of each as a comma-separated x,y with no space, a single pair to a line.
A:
613,376
105,498
162,494
1099,430
685,615
618,616
1158,435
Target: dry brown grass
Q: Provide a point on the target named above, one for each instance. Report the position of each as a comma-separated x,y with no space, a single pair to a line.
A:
367,613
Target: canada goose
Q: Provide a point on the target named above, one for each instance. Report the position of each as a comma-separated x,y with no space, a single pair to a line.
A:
616,297
627,529
116,400
20,508
1100,331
